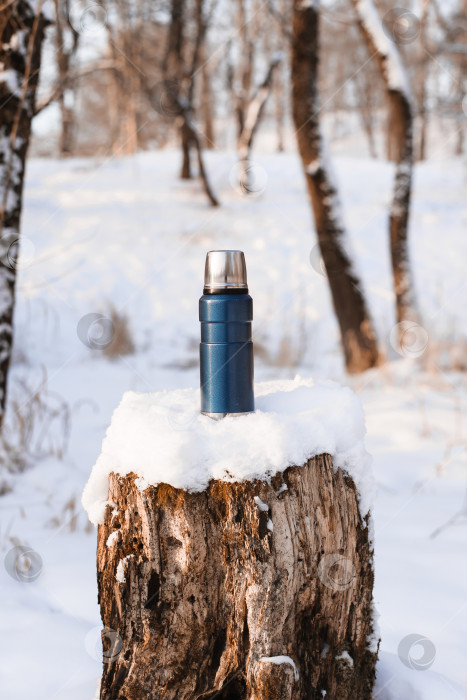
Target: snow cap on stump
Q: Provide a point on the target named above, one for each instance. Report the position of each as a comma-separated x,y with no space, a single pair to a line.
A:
162,438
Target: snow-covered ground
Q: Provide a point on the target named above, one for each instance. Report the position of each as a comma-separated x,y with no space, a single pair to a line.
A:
127,235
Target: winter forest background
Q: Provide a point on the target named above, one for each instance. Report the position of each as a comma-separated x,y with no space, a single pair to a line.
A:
327,141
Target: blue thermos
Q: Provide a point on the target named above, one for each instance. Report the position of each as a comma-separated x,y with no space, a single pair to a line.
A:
226,348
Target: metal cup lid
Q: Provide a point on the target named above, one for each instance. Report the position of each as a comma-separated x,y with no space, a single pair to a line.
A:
225,270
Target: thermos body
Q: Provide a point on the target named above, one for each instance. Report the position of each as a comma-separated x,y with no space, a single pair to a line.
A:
226,348
226,353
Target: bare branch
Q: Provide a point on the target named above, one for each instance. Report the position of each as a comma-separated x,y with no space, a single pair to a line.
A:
61,86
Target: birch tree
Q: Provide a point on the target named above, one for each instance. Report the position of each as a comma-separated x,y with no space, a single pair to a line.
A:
250,101
393,73
65,56
422,78
251,121
176,94
357,333
22,25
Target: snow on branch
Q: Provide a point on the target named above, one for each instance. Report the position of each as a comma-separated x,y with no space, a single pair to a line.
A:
396,74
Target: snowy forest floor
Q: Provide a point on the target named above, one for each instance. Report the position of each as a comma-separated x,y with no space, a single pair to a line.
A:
127,237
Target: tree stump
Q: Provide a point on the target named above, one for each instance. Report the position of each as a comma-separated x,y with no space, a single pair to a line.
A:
249,590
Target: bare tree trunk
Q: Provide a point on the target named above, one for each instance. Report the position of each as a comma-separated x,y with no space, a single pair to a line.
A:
65,146
182,105
21,33
279,108
174,70
251,122
365,92
280,78
207,105
185,172
127,87
64,57
202,171
358,337
245,63
118,103
391,133
130,82
249,110
113,106
401,124
462,83
245,591
179,109
422,79
462,92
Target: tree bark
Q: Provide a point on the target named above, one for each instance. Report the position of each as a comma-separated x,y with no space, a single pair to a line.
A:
64,58
175,70
185,134
180,109
365,90
401,127
182,104
249,108
279,109
123,51
199,591
357,334
251,121
462,79
21,33
422,76
207,104
242,85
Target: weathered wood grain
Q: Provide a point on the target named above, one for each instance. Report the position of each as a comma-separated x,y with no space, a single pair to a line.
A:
211,587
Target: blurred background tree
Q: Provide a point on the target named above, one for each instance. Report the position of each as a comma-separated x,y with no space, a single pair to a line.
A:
121,77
